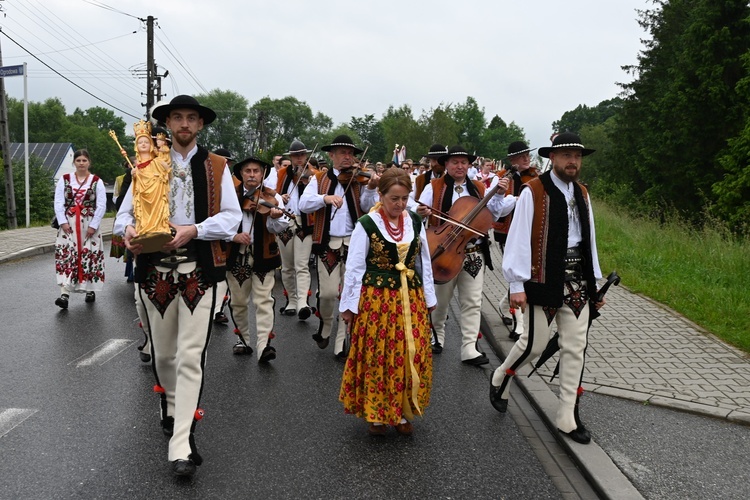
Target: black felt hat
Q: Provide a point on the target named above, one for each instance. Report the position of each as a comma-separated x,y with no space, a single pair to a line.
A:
161,112
225,153
237,167
456,151
518,148
297,147
342,141
436,151
566,140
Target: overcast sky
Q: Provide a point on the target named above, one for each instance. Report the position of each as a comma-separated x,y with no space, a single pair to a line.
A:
527,61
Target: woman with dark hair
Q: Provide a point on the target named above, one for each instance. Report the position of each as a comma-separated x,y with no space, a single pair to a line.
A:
80,203
386,301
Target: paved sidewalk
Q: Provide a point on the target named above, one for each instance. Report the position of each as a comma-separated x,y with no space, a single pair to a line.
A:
643,351
27,242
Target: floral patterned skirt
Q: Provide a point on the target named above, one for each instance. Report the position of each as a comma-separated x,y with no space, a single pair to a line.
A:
79,269
378,377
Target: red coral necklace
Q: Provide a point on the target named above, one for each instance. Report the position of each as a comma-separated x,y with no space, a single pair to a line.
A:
398,233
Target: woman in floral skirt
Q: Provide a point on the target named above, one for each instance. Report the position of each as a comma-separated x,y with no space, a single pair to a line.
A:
80,204
386,300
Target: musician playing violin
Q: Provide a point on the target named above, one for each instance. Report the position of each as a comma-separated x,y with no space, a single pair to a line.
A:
437,198
296,240
338,198
253,257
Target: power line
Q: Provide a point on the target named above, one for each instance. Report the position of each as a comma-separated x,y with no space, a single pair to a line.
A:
110,8
77,47
68,79
179,61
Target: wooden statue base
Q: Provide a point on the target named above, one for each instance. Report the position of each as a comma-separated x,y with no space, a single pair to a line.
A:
152,242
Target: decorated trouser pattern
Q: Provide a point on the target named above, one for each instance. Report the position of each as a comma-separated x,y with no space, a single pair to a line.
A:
295,270
246,285
572,322
331,269
469,283
179,308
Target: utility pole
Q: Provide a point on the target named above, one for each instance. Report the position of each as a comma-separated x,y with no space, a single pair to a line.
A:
150,66
10,195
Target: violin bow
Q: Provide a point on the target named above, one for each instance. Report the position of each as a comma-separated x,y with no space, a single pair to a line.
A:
307,162
447,218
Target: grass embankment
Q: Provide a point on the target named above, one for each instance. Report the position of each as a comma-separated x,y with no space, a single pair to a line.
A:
704,275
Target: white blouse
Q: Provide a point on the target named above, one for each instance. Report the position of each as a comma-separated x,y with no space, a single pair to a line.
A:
61,204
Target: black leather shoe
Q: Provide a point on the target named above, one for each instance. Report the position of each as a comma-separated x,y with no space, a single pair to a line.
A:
579,435
496,399
220,318
62,301
479,360
437,348
514,336
185,468
322,342
507,321
90,297
267,355
341,355
145,357
167,426
239,349
304,313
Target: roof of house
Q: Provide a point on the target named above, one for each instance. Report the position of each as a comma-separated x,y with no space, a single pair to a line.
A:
52,154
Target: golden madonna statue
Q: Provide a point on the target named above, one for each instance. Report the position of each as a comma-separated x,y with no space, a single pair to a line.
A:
151,189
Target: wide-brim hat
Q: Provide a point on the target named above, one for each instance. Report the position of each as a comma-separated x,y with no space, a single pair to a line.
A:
342,141
297,147
162,111
436,151
237,167
456,151
518,148
225,153
566,140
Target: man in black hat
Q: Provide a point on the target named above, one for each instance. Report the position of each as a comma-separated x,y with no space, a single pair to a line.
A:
254,257
338,199
521,172
178,286
296,241
552,266
435,172
436,199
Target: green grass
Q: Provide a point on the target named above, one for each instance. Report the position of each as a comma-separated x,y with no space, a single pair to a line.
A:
702,274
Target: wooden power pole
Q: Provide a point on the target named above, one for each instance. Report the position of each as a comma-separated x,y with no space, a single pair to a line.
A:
10,195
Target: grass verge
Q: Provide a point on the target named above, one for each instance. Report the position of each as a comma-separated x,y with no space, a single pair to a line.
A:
702,274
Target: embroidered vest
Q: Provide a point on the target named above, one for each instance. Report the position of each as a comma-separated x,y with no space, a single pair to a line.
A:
282,187
549,241
88,202
382,257
327,183
502,225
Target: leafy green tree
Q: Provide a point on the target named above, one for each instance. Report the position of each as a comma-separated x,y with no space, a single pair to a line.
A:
41,193
440,127
682,107
231,127
497,136
400,127
575,120
371,132
471,123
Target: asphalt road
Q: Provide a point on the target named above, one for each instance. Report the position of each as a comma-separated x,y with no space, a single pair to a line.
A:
77,426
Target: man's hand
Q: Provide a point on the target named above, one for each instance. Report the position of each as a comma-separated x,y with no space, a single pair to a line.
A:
275,213
518,300
348,316
424,211
130,233
334,200
373,182
182,235
503,183
242,238
599,305
285,198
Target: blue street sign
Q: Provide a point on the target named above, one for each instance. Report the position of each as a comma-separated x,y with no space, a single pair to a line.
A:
11,71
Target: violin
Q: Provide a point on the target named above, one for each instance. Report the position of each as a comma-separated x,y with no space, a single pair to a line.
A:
358,175
261,201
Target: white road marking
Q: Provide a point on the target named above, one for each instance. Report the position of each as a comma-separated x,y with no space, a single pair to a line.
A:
103,353
12,417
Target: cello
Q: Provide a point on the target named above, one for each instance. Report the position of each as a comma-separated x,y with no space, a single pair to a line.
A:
468,219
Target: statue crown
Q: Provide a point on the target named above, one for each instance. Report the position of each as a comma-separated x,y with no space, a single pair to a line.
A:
142,128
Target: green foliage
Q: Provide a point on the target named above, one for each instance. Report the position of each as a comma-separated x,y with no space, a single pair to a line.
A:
682,109
698,272
400,127
582,116
231,127
41,194
371,132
